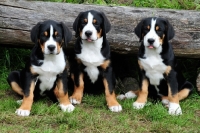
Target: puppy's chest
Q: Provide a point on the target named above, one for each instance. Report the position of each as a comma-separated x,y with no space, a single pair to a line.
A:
154,68
48,71
91,57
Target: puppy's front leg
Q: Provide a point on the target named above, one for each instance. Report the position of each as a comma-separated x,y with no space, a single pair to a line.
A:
61,93
174,107
77,95
142,95
112,103
27,102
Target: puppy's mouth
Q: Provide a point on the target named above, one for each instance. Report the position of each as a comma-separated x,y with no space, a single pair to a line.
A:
150,46
89,39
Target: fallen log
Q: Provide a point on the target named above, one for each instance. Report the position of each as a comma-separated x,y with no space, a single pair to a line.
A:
17,17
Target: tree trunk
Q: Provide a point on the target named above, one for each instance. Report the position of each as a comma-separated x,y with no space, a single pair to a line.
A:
18,17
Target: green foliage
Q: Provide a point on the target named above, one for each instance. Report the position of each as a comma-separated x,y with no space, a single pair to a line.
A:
11,59
171,4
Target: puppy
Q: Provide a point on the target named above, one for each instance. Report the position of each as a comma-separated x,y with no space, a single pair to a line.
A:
159,72
45,72
91,67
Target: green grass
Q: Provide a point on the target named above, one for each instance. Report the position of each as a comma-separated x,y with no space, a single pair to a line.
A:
93,116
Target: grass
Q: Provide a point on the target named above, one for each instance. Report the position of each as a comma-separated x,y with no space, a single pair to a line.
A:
93,115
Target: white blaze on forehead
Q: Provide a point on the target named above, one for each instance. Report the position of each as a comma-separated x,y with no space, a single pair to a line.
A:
89,27
50,41
152,35
90,18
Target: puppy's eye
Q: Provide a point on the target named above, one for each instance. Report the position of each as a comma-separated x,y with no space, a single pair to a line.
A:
45,33
147,28
95,22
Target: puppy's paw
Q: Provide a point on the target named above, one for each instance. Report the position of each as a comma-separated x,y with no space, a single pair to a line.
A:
21,112
121,97
137,105
174,109
130,95
68,108
117,108
74,101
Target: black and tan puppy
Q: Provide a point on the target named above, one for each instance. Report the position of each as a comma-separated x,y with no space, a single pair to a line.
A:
159,72
46,70
91,67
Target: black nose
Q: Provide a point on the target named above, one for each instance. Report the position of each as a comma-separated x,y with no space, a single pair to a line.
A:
88,33
51,47
151,40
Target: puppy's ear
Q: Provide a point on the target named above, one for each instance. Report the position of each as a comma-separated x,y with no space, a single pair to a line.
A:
106,23
138,30
67,34
35,32
169,30
76,24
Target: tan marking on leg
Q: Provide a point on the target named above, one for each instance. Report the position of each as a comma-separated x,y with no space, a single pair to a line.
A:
60,94
143,94
28,101
15,87
167,71
110,97
183,93
172,98
105,64
78,90
140,65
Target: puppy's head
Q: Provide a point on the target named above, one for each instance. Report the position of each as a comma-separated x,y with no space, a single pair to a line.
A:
91,25
154,32
51,36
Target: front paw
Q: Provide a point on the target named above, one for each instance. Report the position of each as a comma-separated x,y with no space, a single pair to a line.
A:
68,108
21,112
137,105
117,108
74,100
174,109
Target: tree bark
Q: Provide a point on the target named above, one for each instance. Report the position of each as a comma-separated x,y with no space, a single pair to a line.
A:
17,17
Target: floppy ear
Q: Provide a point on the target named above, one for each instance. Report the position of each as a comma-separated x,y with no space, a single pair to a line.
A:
35,32
138,30
106,23
76,24
169,30
67,34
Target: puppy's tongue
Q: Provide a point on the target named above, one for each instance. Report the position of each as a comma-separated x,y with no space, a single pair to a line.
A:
150,46
89,40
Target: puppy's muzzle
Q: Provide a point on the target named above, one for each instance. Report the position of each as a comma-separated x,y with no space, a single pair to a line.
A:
88,33
151,41
51,48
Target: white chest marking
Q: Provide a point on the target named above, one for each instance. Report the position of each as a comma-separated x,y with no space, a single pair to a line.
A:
154,67
91,57
48,71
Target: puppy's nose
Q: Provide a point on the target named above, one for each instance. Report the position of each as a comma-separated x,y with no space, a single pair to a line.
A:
51,47
151,40
88,33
